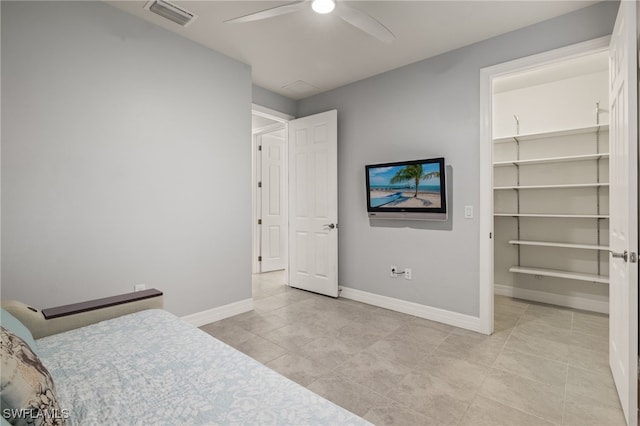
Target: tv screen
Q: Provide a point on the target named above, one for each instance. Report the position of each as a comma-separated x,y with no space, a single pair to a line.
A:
408,189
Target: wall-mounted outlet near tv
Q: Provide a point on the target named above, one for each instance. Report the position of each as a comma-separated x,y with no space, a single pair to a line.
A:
409,190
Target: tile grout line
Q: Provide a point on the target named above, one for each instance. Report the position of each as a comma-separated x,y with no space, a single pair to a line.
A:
526,378
537,356
525,353
564,398
477,392
521,410
384,395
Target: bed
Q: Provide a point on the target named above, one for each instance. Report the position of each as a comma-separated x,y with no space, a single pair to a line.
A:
150,367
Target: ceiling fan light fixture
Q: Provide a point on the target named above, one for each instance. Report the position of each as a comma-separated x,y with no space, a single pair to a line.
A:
323,6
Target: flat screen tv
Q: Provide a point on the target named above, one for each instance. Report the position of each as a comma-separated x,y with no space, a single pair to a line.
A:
413,190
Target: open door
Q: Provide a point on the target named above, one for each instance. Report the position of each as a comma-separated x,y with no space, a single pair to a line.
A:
623,199
313,203
273,225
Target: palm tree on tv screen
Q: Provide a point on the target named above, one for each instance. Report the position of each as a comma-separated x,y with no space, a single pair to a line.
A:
412,172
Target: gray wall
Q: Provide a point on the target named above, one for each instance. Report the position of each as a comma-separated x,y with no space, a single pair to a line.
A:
269,99
125,159
430,108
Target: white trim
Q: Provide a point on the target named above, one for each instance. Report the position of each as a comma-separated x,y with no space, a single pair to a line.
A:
485,204
271,114
434,314
221,312
256,202
269,128
575,302
485,210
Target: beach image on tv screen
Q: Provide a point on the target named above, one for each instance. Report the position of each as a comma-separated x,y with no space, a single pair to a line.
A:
411,185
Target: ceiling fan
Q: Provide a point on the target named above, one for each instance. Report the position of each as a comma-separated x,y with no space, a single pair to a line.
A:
361,20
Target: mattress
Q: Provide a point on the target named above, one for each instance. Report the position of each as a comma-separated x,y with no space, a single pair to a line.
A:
153,368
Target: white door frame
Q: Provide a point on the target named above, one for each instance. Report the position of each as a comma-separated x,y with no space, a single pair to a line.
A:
282,120
487,75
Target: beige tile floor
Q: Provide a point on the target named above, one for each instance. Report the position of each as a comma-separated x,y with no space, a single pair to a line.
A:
544,365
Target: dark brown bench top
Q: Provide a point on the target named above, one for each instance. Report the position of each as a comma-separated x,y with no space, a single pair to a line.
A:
91,305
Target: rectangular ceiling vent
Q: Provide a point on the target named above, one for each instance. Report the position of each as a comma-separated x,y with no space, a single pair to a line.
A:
171,12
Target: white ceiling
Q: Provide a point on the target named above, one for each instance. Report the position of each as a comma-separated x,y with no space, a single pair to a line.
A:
322,52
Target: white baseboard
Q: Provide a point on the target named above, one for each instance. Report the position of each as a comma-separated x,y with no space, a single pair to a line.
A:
221,312
434,314
575,302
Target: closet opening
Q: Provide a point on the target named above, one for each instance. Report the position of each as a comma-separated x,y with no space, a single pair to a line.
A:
551,185
558,207
544,171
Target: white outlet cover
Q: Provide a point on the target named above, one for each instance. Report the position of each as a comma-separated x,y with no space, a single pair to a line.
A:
139,287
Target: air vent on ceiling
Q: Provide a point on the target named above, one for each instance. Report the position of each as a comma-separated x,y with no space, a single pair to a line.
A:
299,87
171,12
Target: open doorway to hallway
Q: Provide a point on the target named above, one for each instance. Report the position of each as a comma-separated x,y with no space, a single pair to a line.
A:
269,193
308,243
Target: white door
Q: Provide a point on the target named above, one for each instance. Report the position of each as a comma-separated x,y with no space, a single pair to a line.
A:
313,203
273,232
623,175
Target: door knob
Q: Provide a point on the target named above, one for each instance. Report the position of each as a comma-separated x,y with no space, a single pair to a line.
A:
628,257
624,255
330,225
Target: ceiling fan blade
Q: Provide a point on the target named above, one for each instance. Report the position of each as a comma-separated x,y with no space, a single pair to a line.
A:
270,13
364,22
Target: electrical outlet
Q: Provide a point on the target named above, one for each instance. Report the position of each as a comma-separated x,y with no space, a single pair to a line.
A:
393,271
139,287
407,273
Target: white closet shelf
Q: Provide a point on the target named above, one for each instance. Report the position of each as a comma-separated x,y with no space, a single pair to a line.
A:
563,245
560,274
570,185
565,159
555,133
577,216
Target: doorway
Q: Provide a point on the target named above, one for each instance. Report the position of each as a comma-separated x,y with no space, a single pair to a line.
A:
269,190
622,179
295,198
551,183
524,166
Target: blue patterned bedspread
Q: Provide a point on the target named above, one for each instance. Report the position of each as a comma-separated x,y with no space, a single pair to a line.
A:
153,368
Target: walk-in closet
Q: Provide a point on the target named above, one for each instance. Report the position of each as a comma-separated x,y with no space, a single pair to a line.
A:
551,190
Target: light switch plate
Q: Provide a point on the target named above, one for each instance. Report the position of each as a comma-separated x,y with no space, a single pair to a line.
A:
468,212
